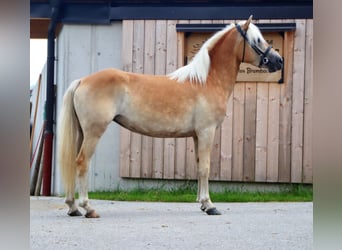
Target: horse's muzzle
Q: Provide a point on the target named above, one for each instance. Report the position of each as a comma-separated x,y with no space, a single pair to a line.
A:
275,63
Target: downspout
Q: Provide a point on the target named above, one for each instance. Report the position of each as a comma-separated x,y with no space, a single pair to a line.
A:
50,96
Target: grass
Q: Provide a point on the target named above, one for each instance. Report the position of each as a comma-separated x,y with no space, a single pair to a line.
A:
291,193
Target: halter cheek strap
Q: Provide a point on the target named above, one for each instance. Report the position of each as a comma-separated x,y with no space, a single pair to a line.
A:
263,54
243,34
243,52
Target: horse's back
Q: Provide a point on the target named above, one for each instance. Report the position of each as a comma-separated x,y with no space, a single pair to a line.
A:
103,78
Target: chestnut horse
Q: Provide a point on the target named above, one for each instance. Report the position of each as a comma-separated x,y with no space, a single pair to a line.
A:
190,102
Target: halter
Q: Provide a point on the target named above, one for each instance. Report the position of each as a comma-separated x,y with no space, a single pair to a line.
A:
263,54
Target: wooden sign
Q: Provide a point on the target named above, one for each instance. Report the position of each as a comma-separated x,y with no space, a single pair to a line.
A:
247,72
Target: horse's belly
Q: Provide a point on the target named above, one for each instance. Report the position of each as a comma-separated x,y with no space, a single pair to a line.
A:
156,127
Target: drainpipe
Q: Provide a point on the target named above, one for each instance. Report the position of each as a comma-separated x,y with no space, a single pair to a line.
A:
50,96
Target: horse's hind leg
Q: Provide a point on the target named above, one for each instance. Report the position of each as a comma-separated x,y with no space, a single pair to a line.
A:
70,201
94,115
70,189
83,159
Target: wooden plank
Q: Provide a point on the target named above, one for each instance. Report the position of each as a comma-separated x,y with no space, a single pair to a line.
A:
191,162
127,45
169,158
171,54
180,151
138,67
238,131
135,159
160,59
149,50
218,21
125,152
160,47
308,106
181,45
180,158
227,143
171,65
261,132
273,133
298,103
35,114
146,141
127,55
138,46
249,133
272,170
146,156
285,114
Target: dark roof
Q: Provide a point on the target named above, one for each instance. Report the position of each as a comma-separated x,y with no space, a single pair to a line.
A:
105,11
101,11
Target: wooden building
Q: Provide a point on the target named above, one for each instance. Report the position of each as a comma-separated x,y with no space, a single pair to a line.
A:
266,136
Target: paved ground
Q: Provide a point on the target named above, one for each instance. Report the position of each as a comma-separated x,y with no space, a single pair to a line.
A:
156,225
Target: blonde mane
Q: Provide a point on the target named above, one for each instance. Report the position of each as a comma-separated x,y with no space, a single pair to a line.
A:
197,70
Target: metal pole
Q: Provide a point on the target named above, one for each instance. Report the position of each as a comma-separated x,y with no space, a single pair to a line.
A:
50,96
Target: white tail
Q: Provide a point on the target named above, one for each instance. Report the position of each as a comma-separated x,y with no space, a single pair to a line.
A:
69,138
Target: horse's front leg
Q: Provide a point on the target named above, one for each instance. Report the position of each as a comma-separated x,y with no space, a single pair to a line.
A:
204,145
197,165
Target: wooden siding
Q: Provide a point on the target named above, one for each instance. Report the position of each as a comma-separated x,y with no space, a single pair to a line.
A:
266,135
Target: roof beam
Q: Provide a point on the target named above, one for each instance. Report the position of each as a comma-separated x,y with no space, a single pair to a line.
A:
103,12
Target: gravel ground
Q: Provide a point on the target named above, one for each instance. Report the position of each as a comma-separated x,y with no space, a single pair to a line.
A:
158,225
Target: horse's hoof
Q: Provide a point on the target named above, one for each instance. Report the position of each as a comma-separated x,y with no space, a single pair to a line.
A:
203,208
213,211
75,213
92,214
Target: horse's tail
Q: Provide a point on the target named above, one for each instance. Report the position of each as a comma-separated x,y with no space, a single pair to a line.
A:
69,138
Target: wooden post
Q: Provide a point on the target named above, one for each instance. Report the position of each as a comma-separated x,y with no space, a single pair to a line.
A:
35,113
37,165
38,186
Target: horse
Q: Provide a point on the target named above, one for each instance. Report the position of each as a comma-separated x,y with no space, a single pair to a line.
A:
190,102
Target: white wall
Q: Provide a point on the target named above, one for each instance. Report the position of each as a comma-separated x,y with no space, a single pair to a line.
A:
80,51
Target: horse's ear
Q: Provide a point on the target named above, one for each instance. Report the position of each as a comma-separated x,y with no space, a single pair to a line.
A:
245,26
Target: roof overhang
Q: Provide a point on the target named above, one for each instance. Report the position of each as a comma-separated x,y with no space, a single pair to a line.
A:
104,12
39,28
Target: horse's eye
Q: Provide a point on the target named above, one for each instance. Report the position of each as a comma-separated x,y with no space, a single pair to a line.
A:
259,40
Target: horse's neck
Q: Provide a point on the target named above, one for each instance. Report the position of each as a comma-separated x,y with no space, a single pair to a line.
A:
224,64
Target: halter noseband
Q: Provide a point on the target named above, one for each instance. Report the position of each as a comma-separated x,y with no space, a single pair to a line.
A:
263,54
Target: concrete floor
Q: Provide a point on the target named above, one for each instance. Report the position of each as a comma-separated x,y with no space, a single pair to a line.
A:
157,225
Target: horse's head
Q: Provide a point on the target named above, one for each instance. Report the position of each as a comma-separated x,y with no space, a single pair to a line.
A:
256,50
